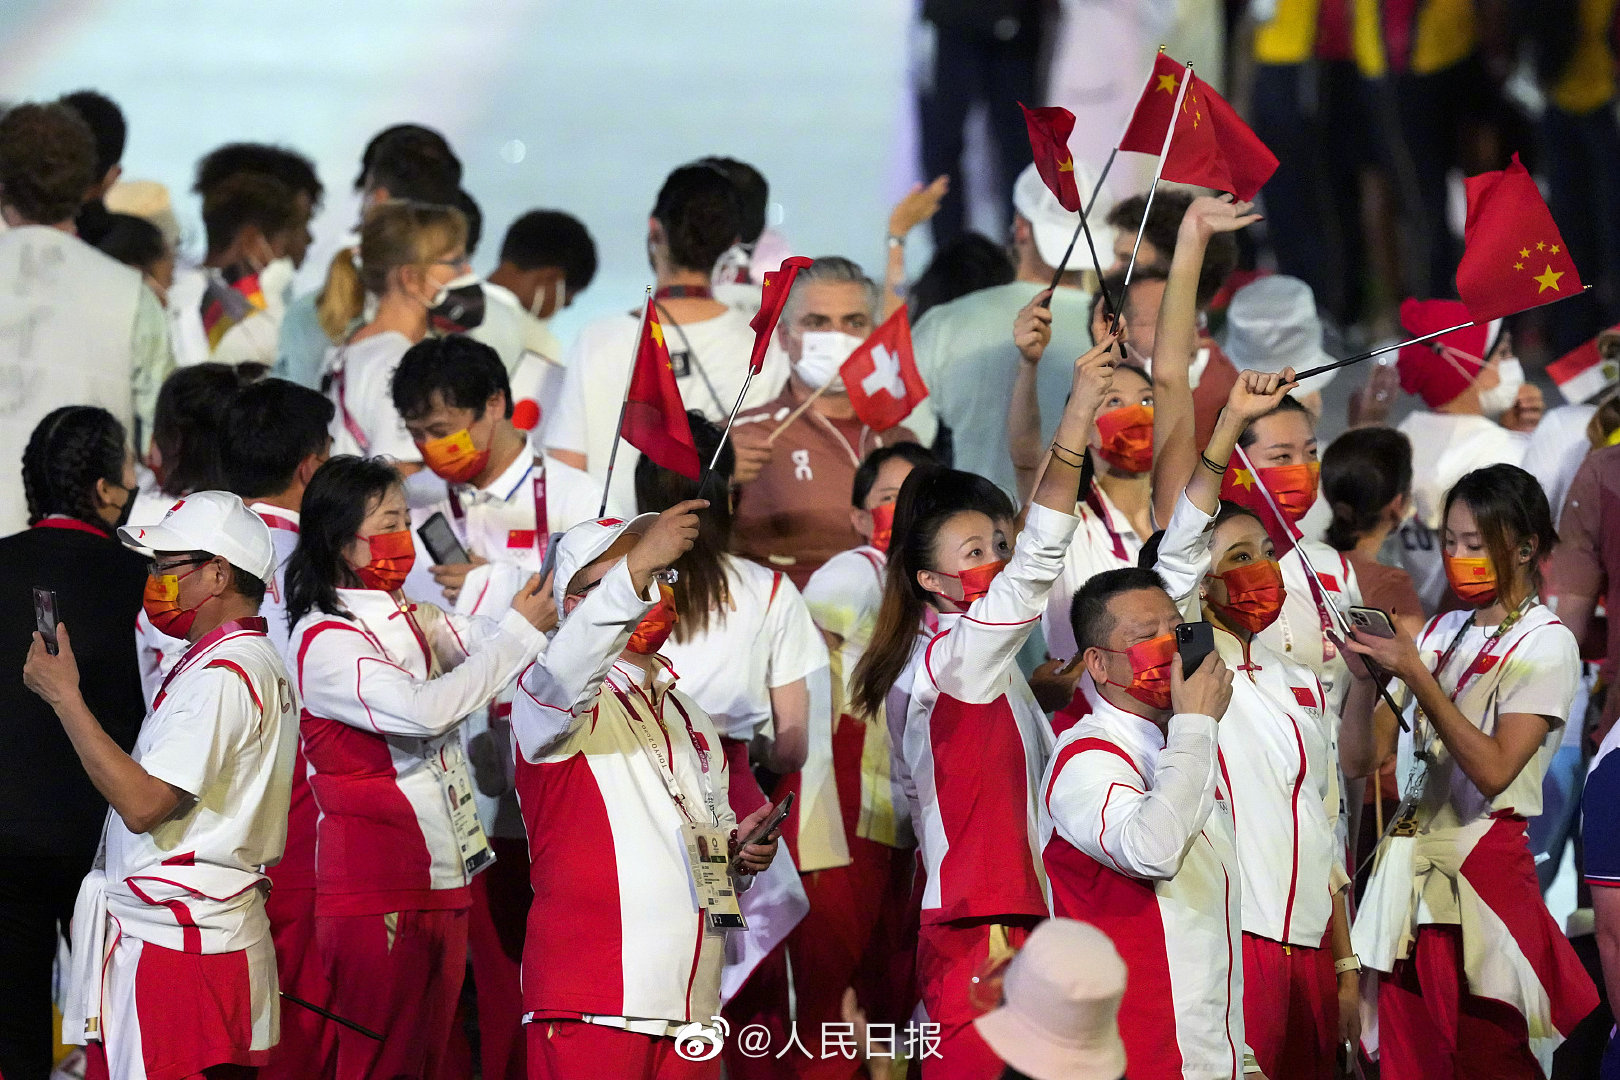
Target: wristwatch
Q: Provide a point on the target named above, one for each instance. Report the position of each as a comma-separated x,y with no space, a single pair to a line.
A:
896,241
1348,963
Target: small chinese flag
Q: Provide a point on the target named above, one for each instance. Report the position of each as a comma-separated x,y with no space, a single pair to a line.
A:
881,376
654,416
1513,257
1212,146
773,295
1242,484
1049,131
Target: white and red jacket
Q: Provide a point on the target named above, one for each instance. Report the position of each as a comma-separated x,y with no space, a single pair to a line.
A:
1104,540
609,769
976,741
384,687
1275,741
1297,634
1136,838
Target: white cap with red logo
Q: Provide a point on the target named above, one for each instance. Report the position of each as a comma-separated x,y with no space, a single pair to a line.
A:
213,521
585,543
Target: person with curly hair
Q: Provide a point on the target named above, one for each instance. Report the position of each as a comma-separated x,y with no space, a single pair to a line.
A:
79,478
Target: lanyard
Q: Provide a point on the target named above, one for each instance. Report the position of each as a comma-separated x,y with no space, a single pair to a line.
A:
1473,667
662,753
1094,500
62,521
853,452
253,624
356,432
691,354
542,517
684,292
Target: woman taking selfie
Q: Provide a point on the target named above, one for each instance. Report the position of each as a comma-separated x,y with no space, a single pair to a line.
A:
384,685
1480,980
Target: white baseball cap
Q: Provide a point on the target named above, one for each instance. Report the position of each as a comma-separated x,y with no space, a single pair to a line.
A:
1054,226
585,543
1272,324
213,521
1060,1016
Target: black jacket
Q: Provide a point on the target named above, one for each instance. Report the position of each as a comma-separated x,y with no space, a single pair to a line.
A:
47,803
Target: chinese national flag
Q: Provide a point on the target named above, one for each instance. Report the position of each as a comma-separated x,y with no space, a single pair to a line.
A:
1049,131
1212,146
654,416
881,376
1513,257
773,295
1241,485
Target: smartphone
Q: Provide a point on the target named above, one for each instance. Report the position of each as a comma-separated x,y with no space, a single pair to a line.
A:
772,821
1194,641
1372,621
45,618
549,564
440,540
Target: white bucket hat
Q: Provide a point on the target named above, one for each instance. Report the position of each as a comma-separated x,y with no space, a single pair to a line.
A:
1272,324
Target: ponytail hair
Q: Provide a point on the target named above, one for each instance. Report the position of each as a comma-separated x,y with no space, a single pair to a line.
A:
1363,471
394,234
929,498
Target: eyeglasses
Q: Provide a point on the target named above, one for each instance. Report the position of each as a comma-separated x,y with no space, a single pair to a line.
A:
155,570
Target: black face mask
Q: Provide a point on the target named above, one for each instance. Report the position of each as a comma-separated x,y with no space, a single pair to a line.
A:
460,306
129,505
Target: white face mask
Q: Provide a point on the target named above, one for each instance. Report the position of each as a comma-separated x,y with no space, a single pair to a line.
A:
275,281
1500,398
557,294
821,355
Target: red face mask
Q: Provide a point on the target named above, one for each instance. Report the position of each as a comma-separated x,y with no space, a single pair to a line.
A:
454,457
976,579
655,626
161,602
1293,486
882,526
392,556
1254,595
1150,670
1472,579
1125,438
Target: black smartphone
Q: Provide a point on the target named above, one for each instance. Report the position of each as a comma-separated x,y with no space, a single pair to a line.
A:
772,821
1372,621
45,618
1194,641
440,540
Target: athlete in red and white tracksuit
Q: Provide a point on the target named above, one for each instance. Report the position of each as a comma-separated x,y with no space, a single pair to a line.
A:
1136,830
975,745
385,688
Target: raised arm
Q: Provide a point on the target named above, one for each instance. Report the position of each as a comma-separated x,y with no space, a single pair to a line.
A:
1175,450
917,206
1032,332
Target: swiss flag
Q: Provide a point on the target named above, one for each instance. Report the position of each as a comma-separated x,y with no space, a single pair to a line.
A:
881,376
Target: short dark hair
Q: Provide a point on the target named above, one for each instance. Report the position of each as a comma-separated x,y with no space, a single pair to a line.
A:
243,200
187,422
269,429
753,194
47,161
701,215
1362,472
411,162
466,373
475,218
866,475
133,241
552,238
250,587
1164,226
335,505
289,166
106,122
70,450
1510,508
965,265
1289,403
1089,612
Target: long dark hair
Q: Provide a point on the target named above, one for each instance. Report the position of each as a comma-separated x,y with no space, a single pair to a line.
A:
1510,509
70,450
1362,472
339,496
700,591
929,498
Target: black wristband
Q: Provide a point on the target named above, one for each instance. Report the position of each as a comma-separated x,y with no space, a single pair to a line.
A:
1218,470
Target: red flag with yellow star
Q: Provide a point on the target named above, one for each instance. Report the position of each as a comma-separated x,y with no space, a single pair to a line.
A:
1513,257
1245,484
1212,147
654,415
1049,131
773,296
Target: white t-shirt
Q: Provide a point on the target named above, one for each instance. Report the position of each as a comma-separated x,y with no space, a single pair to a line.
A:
710,359
1555,452
367,422
766,640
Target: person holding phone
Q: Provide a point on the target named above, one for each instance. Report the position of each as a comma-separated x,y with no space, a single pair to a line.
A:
1301,991
1478,977
624,789
975,740
386,684
1137,831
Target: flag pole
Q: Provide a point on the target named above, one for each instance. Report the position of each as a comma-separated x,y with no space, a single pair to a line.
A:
1169,131
732,419
618,432
1096,264
798,412
332,1016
